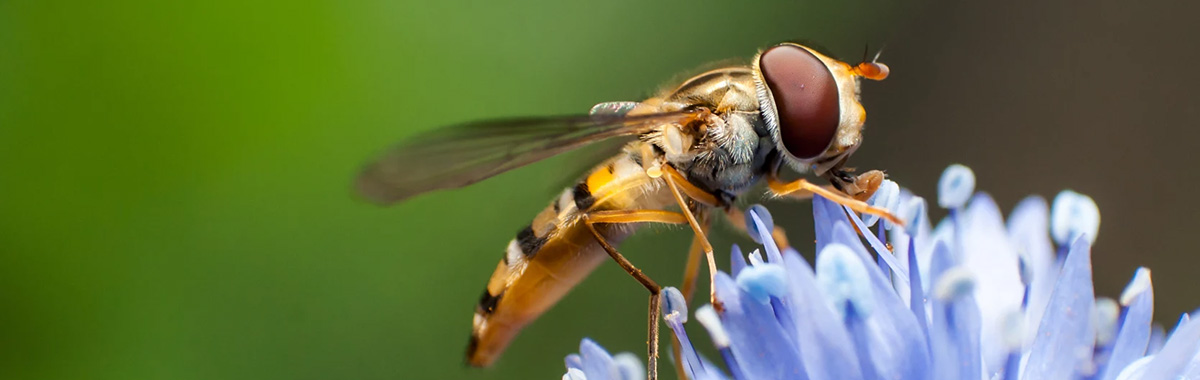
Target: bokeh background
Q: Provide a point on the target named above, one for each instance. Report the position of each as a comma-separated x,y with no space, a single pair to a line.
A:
174,176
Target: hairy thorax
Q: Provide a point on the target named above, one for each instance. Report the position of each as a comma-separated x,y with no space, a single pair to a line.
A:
731,150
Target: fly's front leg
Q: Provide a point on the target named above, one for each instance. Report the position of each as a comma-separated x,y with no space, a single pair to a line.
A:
591,219
679,186
866,184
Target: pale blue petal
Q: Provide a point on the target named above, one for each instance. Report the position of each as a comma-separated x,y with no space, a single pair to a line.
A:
1176,354
1028,229
630,366
737,261
916,294
955,329
759,230
574,374
693,365
1065,335
825,214
574,361
675,315
902,346
758,342
880,248
1158,336
993,262
1135,370
1192,372
1134,333
597,363
760,219
863,338
825,344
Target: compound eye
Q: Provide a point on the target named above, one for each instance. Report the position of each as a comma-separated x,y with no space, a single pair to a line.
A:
806,99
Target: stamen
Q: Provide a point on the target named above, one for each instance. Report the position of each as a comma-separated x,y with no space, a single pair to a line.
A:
843,278
708,318
955,282
1073,214
761,281
913,214
674,303
956,186
886,197
756,258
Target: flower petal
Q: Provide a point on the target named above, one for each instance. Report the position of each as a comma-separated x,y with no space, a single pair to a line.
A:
1158,336
1135,370
826,352
737,261
902,348
917,295
759,343
630,366
954,333
881,250
597,363
1028,227
574,374
993,262
1134,334
1181,347
825,214
1065,335
694,366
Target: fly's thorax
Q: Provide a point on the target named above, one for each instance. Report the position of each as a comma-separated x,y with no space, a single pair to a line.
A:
727,152
734,154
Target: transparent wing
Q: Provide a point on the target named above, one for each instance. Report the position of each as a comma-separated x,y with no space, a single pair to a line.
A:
460,155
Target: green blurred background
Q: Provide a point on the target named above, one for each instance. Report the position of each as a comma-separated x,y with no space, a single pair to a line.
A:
175,178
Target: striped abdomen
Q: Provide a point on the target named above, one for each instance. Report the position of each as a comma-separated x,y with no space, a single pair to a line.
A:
556,252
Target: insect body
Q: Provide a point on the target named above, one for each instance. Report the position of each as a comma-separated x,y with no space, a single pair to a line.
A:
694,148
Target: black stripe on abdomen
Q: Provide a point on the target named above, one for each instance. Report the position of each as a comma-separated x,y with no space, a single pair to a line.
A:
583,197
487,302
529,242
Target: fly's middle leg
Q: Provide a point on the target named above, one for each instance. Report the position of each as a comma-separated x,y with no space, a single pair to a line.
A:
591,219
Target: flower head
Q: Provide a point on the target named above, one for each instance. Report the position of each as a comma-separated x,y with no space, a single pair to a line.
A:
969,298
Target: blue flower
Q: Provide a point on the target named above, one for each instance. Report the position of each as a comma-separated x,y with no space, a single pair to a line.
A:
972,297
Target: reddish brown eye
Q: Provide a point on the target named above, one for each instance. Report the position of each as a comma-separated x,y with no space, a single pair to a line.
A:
806,97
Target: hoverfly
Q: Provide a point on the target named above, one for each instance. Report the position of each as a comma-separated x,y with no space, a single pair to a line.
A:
693,150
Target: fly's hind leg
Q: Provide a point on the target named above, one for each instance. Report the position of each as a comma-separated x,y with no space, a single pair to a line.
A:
591,219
